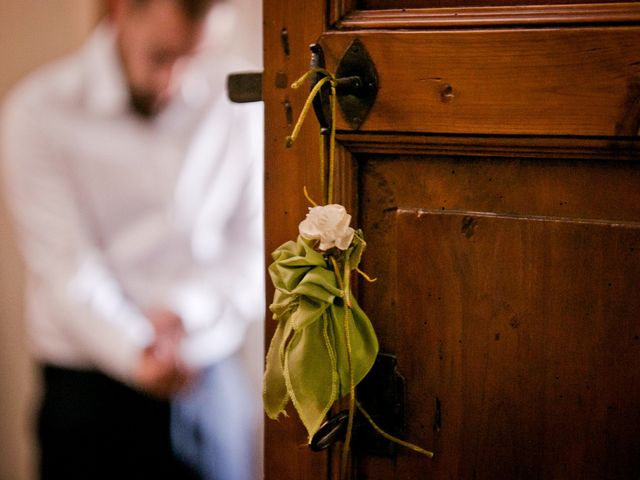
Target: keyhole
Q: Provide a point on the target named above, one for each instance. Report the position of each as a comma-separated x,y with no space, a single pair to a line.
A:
446,93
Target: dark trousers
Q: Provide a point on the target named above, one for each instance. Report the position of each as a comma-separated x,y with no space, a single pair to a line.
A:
93,427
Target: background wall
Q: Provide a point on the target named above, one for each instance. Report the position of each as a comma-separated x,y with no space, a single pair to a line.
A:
31,33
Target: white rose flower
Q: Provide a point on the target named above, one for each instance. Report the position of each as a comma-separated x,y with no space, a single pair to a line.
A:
330,225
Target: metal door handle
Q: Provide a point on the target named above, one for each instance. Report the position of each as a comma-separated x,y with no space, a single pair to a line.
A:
245,87
382,393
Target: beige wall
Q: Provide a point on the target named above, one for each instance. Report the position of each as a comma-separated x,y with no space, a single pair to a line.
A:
31,32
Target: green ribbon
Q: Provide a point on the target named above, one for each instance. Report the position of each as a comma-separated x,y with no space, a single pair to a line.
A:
308,360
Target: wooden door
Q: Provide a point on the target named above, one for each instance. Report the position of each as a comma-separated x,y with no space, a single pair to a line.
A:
497,182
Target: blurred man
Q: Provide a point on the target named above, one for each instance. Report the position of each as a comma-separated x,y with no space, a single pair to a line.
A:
136,191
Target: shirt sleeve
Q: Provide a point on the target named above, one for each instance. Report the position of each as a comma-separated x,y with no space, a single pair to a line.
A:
62,258
229,293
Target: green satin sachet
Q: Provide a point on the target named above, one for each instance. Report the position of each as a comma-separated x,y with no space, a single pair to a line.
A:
308,359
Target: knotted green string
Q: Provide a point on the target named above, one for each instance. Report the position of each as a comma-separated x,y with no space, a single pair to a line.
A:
326,187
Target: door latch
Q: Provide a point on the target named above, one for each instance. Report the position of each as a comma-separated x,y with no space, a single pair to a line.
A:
245,87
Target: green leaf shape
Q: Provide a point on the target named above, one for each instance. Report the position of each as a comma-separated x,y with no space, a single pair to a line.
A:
307,361
357,248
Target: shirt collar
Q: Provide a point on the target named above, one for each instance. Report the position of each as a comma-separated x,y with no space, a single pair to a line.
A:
106,90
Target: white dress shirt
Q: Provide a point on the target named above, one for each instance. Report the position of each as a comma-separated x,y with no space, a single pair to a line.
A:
117,214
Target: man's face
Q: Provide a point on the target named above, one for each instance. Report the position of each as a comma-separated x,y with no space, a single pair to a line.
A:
152,40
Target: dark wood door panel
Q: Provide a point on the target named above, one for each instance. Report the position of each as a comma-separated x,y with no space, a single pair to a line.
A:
517,325
583,81
525,354
519,345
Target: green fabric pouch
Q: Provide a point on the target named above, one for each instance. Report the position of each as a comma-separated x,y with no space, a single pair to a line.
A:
308,359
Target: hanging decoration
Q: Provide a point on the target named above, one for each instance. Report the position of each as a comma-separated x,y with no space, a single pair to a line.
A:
324,343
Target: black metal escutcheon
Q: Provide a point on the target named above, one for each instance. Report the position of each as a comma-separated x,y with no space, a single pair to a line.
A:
356,85
357,98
